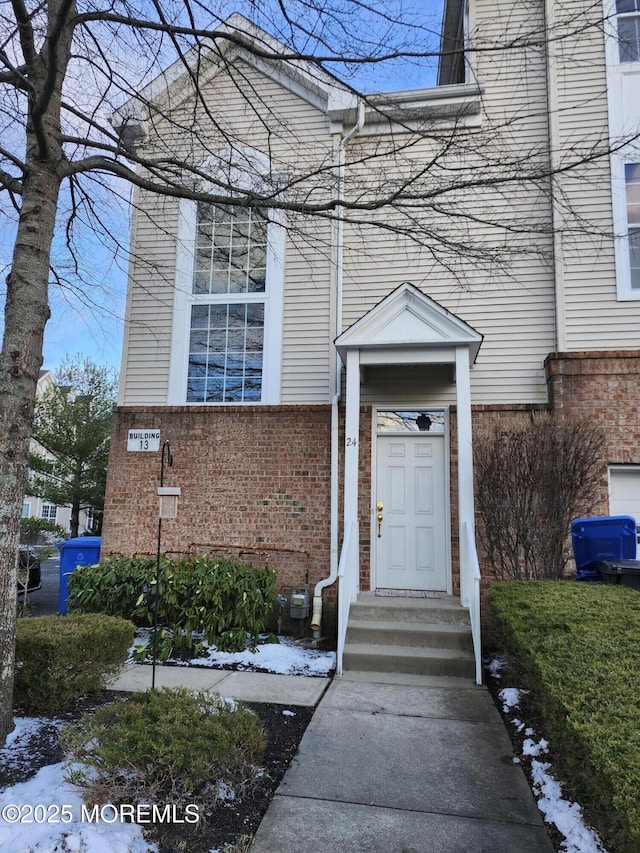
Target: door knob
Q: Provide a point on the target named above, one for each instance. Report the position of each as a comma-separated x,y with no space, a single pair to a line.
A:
379,506
380,517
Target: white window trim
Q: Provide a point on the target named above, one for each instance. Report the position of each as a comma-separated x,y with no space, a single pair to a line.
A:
622,78
184,299
621,227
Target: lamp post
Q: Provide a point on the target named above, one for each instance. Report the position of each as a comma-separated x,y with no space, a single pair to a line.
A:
168,508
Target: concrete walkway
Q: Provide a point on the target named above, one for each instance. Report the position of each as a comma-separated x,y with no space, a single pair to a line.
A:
244,686
389,764
403,764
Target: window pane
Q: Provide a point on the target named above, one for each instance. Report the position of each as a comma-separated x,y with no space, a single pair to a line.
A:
623,6
629,38
198,340
411,421
225,361
634,258
231,250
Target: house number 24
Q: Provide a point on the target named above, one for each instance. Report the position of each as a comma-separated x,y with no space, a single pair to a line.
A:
351,441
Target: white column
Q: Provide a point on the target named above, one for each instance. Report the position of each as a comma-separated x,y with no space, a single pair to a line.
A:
351,468
465,466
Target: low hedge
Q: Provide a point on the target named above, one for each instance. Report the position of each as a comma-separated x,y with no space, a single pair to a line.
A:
223,600
60,658
579,647
166,746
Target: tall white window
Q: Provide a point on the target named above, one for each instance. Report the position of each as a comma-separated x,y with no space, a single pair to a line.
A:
632,189
227,322
628,18
227,325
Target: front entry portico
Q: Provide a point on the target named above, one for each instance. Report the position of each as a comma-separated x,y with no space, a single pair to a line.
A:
407,328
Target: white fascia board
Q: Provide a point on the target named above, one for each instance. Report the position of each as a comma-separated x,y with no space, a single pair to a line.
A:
300,77
408,318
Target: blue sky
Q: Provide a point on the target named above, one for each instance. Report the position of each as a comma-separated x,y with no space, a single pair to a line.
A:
87,319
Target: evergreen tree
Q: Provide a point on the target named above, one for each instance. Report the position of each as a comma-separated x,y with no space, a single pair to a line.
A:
72,426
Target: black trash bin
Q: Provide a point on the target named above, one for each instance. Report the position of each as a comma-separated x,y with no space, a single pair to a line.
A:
81,551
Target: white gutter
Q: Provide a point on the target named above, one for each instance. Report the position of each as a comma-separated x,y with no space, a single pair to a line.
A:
316,618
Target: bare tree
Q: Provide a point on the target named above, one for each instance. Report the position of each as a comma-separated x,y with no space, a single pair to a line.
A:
531,482
67,65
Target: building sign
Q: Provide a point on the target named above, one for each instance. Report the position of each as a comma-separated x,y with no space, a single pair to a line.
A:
143,439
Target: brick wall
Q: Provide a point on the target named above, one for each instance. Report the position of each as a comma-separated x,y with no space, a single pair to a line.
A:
605,386
254,481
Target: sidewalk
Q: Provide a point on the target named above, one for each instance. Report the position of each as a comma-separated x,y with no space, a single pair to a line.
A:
244,686
403,764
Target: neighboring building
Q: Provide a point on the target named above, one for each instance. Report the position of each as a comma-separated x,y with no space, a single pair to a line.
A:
35,507
315,380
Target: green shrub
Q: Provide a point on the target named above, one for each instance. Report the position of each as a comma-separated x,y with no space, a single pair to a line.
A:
579,647
168,746
226,602
60,658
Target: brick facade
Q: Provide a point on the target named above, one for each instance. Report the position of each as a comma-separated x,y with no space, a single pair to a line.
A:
605,386
254,480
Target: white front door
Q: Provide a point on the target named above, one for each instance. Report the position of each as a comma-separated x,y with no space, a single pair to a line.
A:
410,513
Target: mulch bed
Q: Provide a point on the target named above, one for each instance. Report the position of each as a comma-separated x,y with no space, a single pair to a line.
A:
231,822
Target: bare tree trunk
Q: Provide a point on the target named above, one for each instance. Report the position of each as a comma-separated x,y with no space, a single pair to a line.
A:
74,521
26,313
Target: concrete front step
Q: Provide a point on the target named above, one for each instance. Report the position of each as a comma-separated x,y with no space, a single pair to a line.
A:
420,636
380,609
401,633
409,659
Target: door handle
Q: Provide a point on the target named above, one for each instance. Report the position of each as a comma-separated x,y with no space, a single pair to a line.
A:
380,517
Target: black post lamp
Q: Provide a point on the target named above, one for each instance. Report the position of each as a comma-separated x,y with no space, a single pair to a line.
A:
168,508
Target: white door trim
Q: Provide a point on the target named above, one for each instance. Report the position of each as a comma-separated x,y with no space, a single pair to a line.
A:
395,406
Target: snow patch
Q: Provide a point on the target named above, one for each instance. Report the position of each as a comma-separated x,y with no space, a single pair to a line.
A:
49,788
510,697
567,816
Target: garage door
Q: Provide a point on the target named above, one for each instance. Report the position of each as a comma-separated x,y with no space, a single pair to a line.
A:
624,491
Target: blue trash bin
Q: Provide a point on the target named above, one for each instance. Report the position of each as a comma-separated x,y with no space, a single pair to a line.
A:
595,541
82,551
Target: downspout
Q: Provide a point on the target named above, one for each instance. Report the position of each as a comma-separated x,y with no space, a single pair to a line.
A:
553,138
316,618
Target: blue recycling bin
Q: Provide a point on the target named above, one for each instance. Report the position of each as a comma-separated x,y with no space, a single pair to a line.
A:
607,539
81,551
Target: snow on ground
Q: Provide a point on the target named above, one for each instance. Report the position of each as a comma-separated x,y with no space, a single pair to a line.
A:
285,657
555,808
45,814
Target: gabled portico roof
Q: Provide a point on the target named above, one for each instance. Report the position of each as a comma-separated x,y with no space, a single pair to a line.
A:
407,326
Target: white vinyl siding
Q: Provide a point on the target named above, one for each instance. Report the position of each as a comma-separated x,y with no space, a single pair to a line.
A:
595,315
510,299
147,341
301,141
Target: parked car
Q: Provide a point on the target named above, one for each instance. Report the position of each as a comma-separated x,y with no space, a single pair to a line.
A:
29,575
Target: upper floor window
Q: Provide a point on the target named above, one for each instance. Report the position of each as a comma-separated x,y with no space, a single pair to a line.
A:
227,329
228,312
49,512
632,188
628,15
